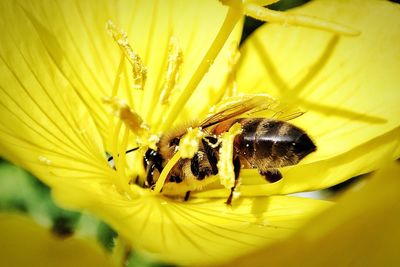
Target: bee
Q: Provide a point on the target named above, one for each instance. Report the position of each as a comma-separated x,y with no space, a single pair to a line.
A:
264,143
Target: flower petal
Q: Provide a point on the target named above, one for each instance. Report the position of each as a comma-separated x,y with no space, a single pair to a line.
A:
23,243
361,230
347,85
74,35
199,231
44,125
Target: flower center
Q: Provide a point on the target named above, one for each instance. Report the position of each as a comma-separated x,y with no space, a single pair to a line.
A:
130,131
130,128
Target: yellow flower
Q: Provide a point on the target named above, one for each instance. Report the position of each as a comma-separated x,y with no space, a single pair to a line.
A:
362,229
24,243
61,74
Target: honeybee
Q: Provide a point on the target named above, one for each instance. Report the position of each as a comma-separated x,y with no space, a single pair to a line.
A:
264,143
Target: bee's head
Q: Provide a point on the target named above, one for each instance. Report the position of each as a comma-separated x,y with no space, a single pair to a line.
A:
153,163
169,142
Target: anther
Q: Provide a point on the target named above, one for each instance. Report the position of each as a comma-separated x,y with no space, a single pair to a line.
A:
175,59
131,119
139,70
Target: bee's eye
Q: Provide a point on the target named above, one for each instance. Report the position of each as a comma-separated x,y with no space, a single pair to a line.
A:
174,142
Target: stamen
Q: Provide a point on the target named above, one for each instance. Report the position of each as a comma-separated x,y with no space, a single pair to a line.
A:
117,78
118,153
175,58
226,171
137,170
121,167
189,143
262,2
265,14
130,118
238,3
233,59
228,89
114,92
139,71
114,143
163,176
230,21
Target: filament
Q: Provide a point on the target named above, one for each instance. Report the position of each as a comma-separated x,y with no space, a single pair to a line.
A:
163,176
229,23
265,14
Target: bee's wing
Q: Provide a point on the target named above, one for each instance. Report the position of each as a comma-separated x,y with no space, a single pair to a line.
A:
281,111
235,106
247,106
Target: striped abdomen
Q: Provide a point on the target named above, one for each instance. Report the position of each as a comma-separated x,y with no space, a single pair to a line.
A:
267,144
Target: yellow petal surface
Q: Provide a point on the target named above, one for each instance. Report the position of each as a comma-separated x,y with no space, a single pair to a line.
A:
54,70
348,87
74,35
199,231
24,243
44,125
361,230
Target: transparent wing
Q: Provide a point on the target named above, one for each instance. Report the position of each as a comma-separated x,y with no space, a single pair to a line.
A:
247,106
282,111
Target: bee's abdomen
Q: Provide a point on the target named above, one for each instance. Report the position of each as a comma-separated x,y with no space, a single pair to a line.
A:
267,142
245,143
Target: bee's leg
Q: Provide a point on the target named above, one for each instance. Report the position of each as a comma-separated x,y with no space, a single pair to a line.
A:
149,175
200,166
272,175
236,169
187,195
211,153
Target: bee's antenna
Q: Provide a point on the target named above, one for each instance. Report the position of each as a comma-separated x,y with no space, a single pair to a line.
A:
126,152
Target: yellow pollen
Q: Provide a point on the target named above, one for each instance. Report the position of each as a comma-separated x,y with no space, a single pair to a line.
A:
175,59
189,143
265,14
139,70
211,144
130,118
163,176
225,163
